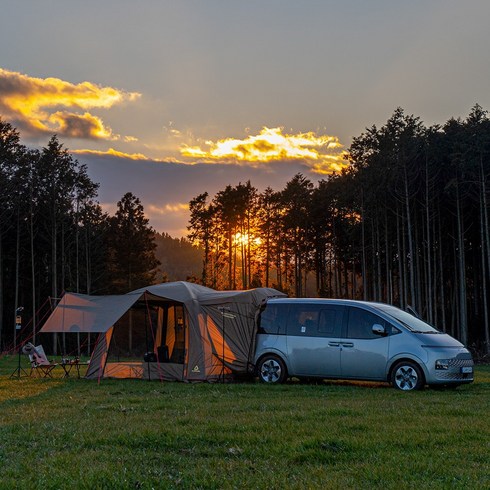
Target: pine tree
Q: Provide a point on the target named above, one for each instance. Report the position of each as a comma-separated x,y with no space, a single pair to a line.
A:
131,247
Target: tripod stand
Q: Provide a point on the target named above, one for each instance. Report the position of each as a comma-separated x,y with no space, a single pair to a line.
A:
19,372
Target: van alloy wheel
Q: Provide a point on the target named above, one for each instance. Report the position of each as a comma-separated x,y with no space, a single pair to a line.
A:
407,376
272,370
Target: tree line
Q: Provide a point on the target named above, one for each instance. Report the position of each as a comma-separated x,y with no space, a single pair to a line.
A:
55,237
407,223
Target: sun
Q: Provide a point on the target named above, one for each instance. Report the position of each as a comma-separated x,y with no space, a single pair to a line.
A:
244,239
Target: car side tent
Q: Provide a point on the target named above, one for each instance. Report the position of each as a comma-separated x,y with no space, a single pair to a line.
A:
189,332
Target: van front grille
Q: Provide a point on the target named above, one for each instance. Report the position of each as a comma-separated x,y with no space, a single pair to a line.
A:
454,372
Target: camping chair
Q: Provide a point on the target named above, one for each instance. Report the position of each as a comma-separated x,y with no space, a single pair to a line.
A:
39,362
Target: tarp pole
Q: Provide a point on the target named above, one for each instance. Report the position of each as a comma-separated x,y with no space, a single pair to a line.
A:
223,368
159,369
146,337
223,337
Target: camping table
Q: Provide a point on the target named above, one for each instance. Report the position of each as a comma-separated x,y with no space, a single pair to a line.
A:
69,364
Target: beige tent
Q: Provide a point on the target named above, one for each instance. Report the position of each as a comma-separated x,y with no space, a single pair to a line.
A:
193,333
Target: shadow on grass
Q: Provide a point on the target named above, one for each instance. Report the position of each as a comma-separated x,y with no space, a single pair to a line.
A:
340,382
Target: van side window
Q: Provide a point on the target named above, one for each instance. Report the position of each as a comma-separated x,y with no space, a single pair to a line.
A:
273,319
361,322
330,322
315,320
303,320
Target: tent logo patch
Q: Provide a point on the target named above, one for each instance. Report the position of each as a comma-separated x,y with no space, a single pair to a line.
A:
196,369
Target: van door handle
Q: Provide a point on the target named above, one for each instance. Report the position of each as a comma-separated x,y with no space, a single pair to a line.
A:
334,344
347,344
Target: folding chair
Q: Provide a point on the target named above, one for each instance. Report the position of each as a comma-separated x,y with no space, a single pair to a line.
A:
39,362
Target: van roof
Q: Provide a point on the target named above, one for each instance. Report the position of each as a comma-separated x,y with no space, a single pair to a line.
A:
326,301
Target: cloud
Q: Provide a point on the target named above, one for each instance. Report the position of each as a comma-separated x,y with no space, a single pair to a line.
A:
112,153
169,208
48,105
322,153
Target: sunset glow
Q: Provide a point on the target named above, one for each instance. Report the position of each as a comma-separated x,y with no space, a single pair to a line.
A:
41,105
245,239
271,144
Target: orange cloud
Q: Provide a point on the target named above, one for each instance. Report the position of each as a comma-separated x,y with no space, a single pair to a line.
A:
46,105
113,153
321,152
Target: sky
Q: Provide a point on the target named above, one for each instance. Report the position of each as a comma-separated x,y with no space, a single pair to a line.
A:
170,99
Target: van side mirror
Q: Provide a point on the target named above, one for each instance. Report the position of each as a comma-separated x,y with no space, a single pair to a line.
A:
378,329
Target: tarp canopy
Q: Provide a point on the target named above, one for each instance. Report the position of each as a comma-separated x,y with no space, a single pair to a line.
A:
216,329
87,314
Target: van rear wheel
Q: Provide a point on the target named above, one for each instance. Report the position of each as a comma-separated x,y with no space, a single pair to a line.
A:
407,376
271,369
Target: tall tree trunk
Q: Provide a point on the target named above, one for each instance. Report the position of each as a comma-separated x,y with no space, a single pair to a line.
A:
411,270
378,259
430,314
484,273
389,271
88,274
267,257
230,259
77,247
434,274
248,262
486,225
418,278
354,279
346,281
54,271
485,304
374,289
363,244
461,271
1,293
399,252
17,273
33,269
442,283
63,272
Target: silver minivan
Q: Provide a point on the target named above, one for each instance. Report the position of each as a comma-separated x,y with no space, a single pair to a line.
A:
344,339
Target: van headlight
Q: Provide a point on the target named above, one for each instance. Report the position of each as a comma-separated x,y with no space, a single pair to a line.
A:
442,364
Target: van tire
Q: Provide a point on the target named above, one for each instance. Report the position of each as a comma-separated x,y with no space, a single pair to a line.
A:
271,369
407,376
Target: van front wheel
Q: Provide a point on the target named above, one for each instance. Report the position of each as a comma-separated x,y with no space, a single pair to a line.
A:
407,376
271,369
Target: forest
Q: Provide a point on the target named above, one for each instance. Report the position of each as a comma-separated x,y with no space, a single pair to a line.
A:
405,223
55,237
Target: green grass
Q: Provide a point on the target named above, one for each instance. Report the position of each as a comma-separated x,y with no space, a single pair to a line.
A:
70,433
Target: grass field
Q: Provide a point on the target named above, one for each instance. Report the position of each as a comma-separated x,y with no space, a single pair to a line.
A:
71,433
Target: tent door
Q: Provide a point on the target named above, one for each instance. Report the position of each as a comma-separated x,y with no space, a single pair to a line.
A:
172,341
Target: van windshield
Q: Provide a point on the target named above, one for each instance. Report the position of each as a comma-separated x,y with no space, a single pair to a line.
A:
409,321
